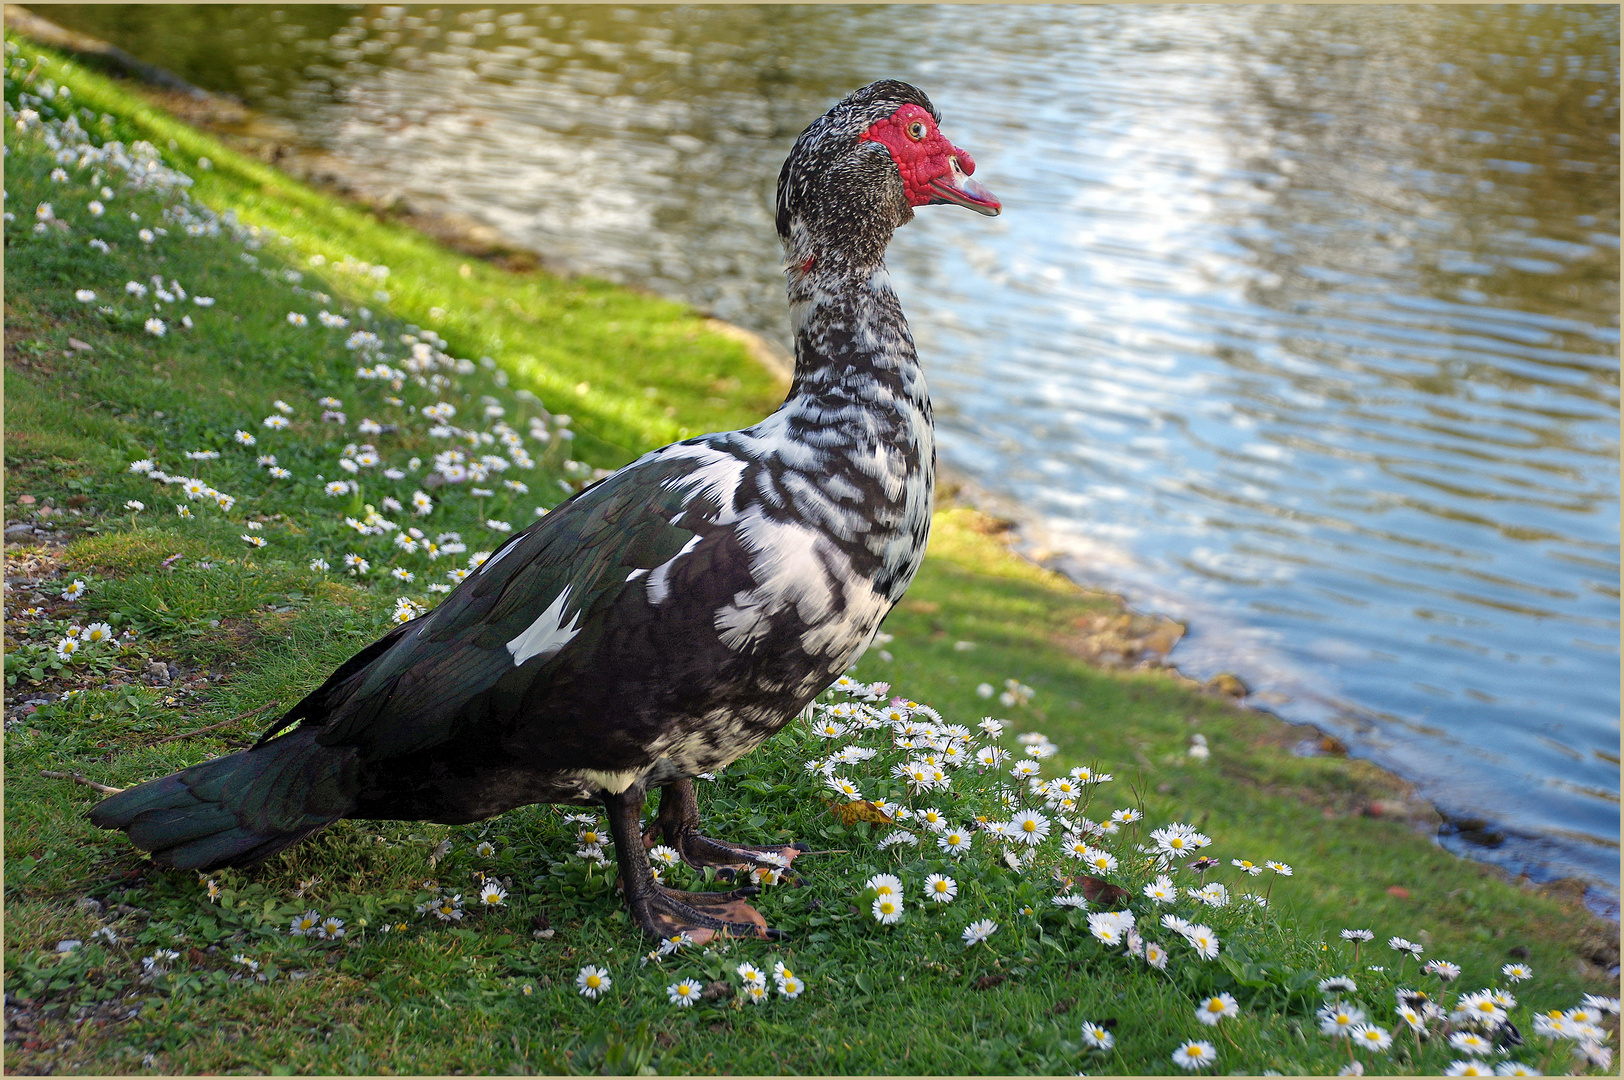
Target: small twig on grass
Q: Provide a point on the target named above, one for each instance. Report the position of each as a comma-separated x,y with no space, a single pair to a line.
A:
214,727
77,779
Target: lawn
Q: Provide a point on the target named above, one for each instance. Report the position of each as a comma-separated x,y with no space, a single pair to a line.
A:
250,427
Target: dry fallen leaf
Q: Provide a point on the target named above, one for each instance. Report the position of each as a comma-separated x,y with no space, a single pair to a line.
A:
1096,890
851,813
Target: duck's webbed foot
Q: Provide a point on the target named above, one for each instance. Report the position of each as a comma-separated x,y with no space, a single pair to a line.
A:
678,822
664,913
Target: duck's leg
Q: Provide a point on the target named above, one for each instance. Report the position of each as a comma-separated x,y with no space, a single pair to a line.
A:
663,912
678,821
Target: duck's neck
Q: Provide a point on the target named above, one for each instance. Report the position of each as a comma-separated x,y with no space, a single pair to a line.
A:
851,339
854,438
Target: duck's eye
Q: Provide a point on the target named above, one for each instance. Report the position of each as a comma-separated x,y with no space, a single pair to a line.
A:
916,130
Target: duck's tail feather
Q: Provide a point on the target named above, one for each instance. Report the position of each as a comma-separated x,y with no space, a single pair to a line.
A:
240,809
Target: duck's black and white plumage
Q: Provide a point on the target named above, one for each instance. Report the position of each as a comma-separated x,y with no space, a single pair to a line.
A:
663,622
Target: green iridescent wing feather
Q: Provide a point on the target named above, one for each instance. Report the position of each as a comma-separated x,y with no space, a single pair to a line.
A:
407,695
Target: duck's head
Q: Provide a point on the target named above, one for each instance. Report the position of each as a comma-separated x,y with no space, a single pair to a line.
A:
857,172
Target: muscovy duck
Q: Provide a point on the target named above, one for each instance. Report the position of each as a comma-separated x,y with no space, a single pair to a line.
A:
662,622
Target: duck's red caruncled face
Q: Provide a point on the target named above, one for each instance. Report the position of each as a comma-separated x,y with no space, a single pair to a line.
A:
933,169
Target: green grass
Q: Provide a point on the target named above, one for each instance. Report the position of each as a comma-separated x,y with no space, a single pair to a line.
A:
250,629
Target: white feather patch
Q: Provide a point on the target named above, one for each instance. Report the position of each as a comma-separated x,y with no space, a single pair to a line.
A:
796,567
717,479
548,634
612,782
659,586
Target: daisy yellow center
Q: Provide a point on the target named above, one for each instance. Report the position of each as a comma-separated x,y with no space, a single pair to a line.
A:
941,886
1029,826
1215,1005
593,981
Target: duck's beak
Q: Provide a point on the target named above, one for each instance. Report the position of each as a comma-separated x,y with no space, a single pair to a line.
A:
957,187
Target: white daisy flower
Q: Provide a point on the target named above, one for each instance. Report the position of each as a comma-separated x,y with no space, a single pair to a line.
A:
979,931
940,888
1029,827
593,982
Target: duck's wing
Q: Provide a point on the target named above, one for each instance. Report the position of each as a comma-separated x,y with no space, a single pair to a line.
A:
542,602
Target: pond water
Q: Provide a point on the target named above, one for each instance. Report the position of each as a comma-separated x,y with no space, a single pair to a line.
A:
1300,323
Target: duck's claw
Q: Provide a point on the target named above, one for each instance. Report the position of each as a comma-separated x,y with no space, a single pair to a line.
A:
760,864
665,913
